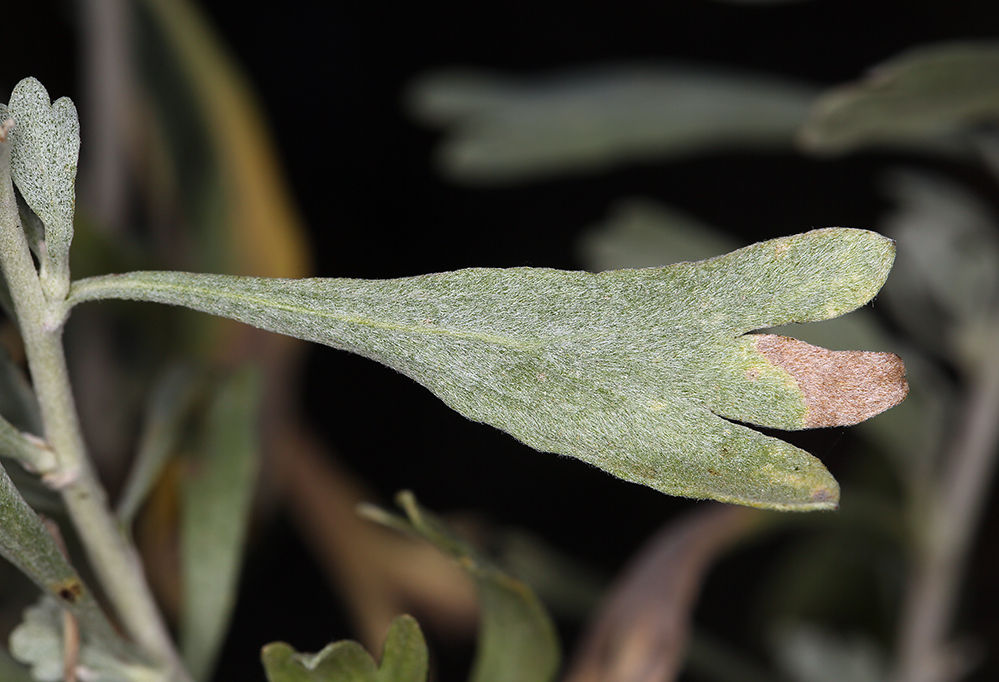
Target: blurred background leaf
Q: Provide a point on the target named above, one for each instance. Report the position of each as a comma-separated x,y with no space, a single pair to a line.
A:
404,659
505,129
517,639
216,501
927,97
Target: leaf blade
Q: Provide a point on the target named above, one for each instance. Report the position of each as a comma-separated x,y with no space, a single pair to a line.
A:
215,503
503,129
920,98
26,543
45,146
344,661
405,657
517,641
627,370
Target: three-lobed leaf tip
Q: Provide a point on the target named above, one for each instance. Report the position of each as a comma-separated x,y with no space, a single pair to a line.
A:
650,374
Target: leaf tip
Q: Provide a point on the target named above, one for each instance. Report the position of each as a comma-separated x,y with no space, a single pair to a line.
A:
840,388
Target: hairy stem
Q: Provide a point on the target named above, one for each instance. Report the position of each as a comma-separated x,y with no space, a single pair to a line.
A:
111,555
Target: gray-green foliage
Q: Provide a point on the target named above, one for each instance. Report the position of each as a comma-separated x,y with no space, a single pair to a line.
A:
45,143
506,129
926,97
215,508
517,640
38,642
630,370
404,659
26,543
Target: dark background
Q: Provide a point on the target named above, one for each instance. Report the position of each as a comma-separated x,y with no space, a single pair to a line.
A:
331,76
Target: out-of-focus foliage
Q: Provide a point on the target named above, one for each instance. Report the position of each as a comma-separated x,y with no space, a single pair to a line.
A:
641,631
927,98
504,129
404,659
517,640
215,509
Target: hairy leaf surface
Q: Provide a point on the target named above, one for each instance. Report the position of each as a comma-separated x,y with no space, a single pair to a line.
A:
45,146
638,372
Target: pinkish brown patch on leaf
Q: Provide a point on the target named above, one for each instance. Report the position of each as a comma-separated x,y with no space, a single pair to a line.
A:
841,388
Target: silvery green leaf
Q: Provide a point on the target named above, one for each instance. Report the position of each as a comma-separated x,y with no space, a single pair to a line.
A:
45,146
215,513
404,655
641,233
638,372
404,659
26,543
507,129
169,407
38,643
17,399
921,98
517,641
947,290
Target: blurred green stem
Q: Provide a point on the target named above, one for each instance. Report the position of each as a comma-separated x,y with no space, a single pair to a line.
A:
947,530
111,554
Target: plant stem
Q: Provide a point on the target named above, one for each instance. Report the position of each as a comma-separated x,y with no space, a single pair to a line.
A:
950,524
113,558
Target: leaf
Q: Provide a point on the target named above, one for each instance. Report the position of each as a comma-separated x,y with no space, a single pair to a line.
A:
26,543
38,642
641,233
169,406
918,98
637,372
502,129
344,661
45,146
404,659
946,293
215,511
517,640
18,414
